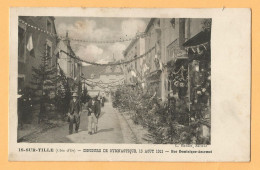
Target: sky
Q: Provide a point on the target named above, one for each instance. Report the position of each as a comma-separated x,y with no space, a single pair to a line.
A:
107,29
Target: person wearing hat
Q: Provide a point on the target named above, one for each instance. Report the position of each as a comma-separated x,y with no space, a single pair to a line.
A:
93,114
74,113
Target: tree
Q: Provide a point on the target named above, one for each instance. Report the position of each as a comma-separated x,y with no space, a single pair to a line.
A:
44,80
85,96
63,93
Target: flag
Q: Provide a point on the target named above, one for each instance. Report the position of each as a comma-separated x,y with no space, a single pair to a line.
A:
133,73
161,66
193,50
143,85
145,68
29,45
58,70
57,52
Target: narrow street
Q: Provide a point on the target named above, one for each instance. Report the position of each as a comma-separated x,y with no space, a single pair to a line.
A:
112,128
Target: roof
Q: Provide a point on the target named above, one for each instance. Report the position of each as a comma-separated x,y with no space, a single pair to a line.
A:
92,69
200,38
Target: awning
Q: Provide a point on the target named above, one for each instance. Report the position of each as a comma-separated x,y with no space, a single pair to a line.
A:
200,38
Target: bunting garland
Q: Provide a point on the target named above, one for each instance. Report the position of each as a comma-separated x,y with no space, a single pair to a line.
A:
110,64
138,35
197,48
101,82
102,86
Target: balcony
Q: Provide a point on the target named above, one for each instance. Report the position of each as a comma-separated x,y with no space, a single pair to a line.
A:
175,52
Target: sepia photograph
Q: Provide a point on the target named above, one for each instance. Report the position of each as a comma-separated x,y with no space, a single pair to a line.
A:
129,84
114,80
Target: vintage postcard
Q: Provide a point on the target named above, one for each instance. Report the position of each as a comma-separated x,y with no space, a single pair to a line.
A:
123,84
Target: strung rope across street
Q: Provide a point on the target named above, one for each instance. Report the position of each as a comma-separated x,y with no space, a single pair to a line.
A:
138,35
109,64
101,82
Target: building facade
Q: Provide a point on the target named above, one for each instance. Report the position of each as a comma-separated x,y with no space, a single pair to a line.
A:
71,67
102,79
32,45
135,49
163,43
177,66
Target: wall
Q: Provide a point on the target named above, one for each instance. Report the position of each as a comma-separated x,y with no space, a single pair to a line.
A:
39,40
135,49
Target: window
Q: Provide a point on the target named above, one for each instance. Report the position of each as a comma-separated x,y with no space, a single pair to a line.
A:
49,26
21,42
172,21
49,51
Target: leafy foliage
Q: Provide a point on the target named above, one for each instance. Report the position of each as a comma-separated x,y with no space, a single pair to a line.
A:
85,96
44,79
165,123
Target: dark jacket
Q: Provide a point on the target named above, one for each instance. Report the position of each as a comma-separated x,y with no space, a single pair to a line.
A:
74,107
93,108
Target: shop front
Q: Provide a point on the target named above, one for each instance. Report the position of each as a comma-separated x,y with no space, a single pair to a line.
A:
178,86
199,53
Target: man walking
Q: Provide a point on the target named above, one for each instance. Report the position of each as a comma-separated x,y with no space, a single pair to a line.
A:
74,113
93,113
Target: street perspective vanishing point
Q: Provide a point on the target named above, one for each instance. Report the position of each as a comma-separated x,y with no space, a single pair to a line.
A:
114,80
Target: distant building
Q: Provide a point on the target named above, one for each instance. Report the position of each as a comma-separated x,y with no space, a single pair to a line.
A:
32,44
102,79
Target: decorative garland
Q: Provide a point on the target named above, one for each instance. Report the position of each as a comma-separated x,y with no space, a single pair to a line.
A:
138,35
197,48
111,64
105,85
101,82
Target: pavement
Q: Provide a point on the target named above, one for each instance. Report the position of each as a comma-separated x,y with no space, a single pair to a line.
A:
112,128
